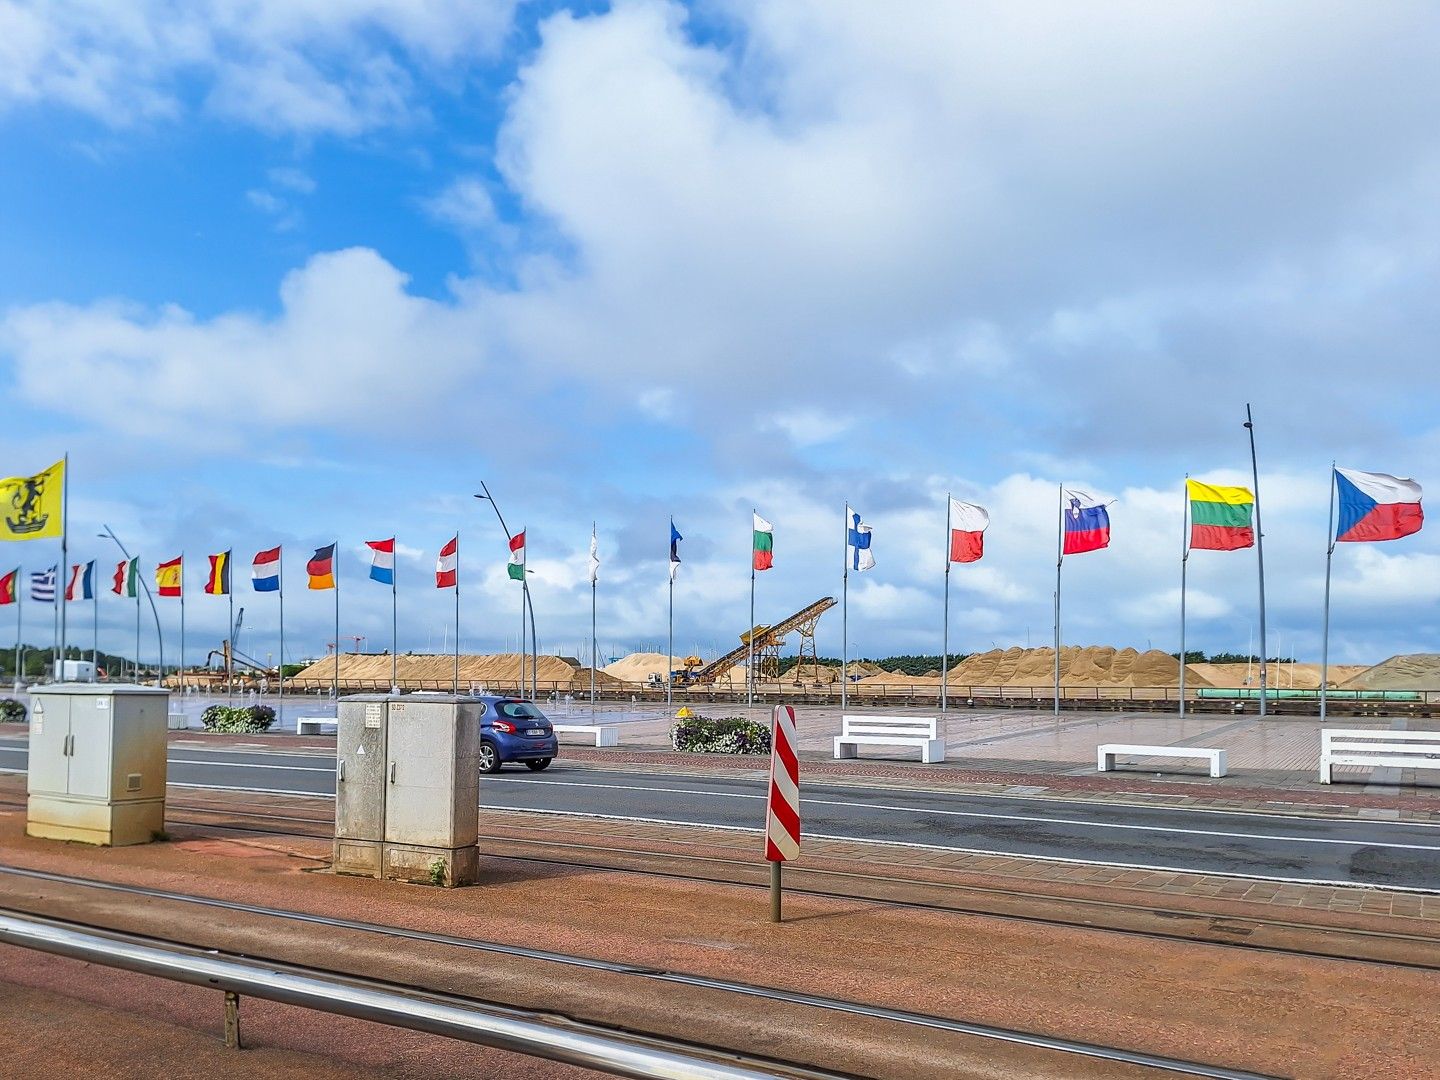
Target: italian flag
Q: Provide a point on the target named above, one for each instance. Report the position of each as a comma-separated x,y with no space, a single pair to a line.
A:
764,547
126,581
517,556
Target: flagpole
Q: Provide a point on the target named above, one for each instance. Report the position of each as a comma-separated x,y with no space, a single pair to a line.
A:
534,640
1325,637
280,671
593,579
750,635
1184,563
845,614
455,678
1059,561
19,625
394,621
94,626
64,557
670,628
1259,552
945,622
335,573
137,637
182,630
230,652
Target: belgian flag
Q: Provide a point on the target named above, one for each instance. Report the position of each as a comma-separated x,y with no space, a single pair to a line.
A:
218,583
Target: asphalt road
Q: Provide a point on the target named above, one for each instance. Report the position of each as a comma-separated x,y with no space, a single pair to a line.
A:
1255,845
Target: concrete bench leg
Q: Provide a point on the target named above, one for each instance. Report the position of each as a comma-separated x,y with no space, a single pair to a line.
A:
607,736
1217,764
933,752
1325,768
846,750
1104,762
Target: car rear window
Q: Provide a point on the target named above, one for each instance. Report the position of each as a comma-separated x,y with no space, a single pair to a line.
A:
520,710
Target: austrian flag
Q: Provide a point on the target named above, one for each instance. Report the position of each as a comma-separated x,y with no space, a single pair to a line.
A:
447,566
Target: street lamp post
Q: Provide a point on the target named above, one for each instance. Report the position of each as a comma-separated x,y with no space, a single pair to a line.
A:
525,596
159,637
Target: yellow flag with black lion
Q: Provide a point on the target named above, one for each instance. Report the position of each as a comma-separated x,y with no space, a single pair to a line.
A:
33,507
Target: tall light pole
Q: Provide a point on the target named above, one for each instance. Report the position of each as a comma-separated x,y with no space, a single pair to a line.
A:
525,592
159,637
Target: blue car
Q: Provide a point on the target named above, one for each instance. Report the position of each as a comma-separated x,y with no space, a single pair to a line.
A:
514,730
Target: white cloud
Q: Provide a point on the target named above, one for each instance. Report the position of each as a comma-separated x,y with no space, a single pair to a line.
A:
308,66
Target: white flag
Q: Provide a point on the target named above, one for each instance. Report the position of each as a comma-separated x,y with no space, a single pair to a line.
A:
858,556
594,557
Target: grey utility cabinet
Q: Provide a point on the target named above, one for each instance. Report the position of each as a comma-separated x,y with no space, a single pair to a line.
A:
97,762
407,784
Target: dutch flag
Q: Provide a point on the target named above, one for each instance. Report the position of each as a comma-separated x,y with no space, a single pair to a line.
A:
382,563
265,571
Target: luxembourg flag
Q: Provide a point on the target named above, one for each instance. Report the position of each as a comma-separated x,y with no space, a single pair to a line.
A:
1376,506
265,571
968,523
382,560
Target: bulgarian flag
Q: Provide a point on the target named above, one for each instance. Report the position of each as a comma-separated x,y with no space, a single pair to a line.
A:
516,567
1220,517
126,581
763,551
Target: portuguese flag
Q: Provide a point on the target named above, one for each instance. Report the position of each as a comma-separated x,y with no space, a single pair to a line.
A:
764,548
9,591
1220,517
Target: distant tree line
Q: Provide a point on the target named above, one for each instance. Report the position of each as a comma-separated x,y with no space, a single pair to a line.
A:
1197,657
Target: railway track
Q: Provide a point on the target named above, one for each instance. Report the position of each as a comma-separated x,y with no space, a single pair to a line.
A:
1286,937
722,988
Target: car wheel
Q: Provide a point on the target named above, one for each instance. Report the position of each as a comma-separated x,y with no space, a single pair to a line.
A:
489,758
538,764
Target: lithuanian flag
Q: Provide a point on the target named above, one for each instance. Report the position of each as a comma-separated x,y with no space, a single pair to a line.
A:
1220,517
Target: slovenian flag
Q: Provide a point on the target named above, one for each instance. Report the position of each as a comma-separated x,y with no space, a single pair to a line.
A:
516,566
857,543
1376,506
265,571
382,562
447,566
1087,524
82,582
763,547
968,523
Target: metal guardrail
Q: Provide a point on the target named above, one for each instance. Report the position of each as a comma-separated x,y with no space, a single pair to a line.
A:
504,1029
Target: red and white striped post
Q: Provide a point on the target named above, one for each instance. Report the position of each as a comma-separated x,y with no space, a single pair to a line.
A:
782,808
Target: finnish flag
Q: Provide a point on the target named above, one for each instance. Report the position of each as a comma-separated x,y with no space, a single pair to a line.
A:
857,542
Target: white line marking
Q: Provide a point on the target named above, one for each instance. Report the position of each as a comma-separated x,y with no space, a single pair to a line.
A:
249,765
1030,818
986,851
257,791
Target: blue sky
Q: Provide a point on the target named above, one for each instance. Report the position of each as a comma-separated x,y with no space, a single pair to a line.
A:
284,272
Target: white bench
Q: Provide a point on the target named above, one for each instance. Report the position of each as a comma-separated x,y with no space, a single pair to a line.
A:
177,721
1360,746
605,734
923,732
1106,753
316,725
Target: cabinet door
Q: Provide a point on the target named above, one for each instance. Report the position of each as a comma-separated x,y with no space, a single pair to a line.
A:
421,753
90,731
360,775
49,764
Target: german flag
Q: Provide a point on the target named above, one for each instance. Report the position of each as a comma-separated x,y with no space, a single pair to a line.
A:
321,568
218,583
170,577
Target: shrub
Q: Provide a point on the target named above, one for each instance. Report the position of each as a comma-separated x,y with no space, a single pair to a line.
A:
727,735
11,711
238,719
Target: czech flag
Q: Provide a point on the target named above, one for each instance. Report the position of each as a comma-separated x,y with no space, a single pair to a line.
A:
382,562
321,568
1087,524
968,523
1376,506
265,571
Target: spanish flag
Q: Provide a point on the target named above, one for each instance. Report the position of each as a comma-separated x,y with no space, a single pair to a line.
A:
321,568
170,577
218,583
34,506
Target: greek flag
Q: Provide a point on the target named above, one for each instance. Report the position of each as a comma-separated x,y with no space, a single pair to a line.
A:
42,586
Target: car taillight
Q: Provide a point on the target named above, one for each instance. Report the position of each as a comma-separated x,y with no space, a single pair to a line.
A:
503,725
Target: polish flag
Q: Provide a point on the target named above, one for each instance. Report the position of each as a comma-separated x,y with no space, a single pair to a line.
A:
968,523
447,566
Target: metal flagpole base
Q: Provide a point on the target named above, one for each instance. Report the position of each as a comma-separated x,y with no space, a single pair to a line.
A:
775,892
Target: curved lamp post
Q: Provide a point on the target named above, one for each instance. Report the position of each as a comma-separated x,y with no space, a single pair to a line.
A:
159,637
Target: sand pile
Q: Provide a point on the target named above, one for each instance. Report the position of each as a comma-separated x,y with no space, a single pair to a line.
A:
501,669
1282,676
1409,671
1093,665
636,667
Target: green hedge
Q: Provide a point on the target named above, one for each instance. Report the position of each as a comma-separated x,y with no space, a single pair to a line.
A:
727,735
239,719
